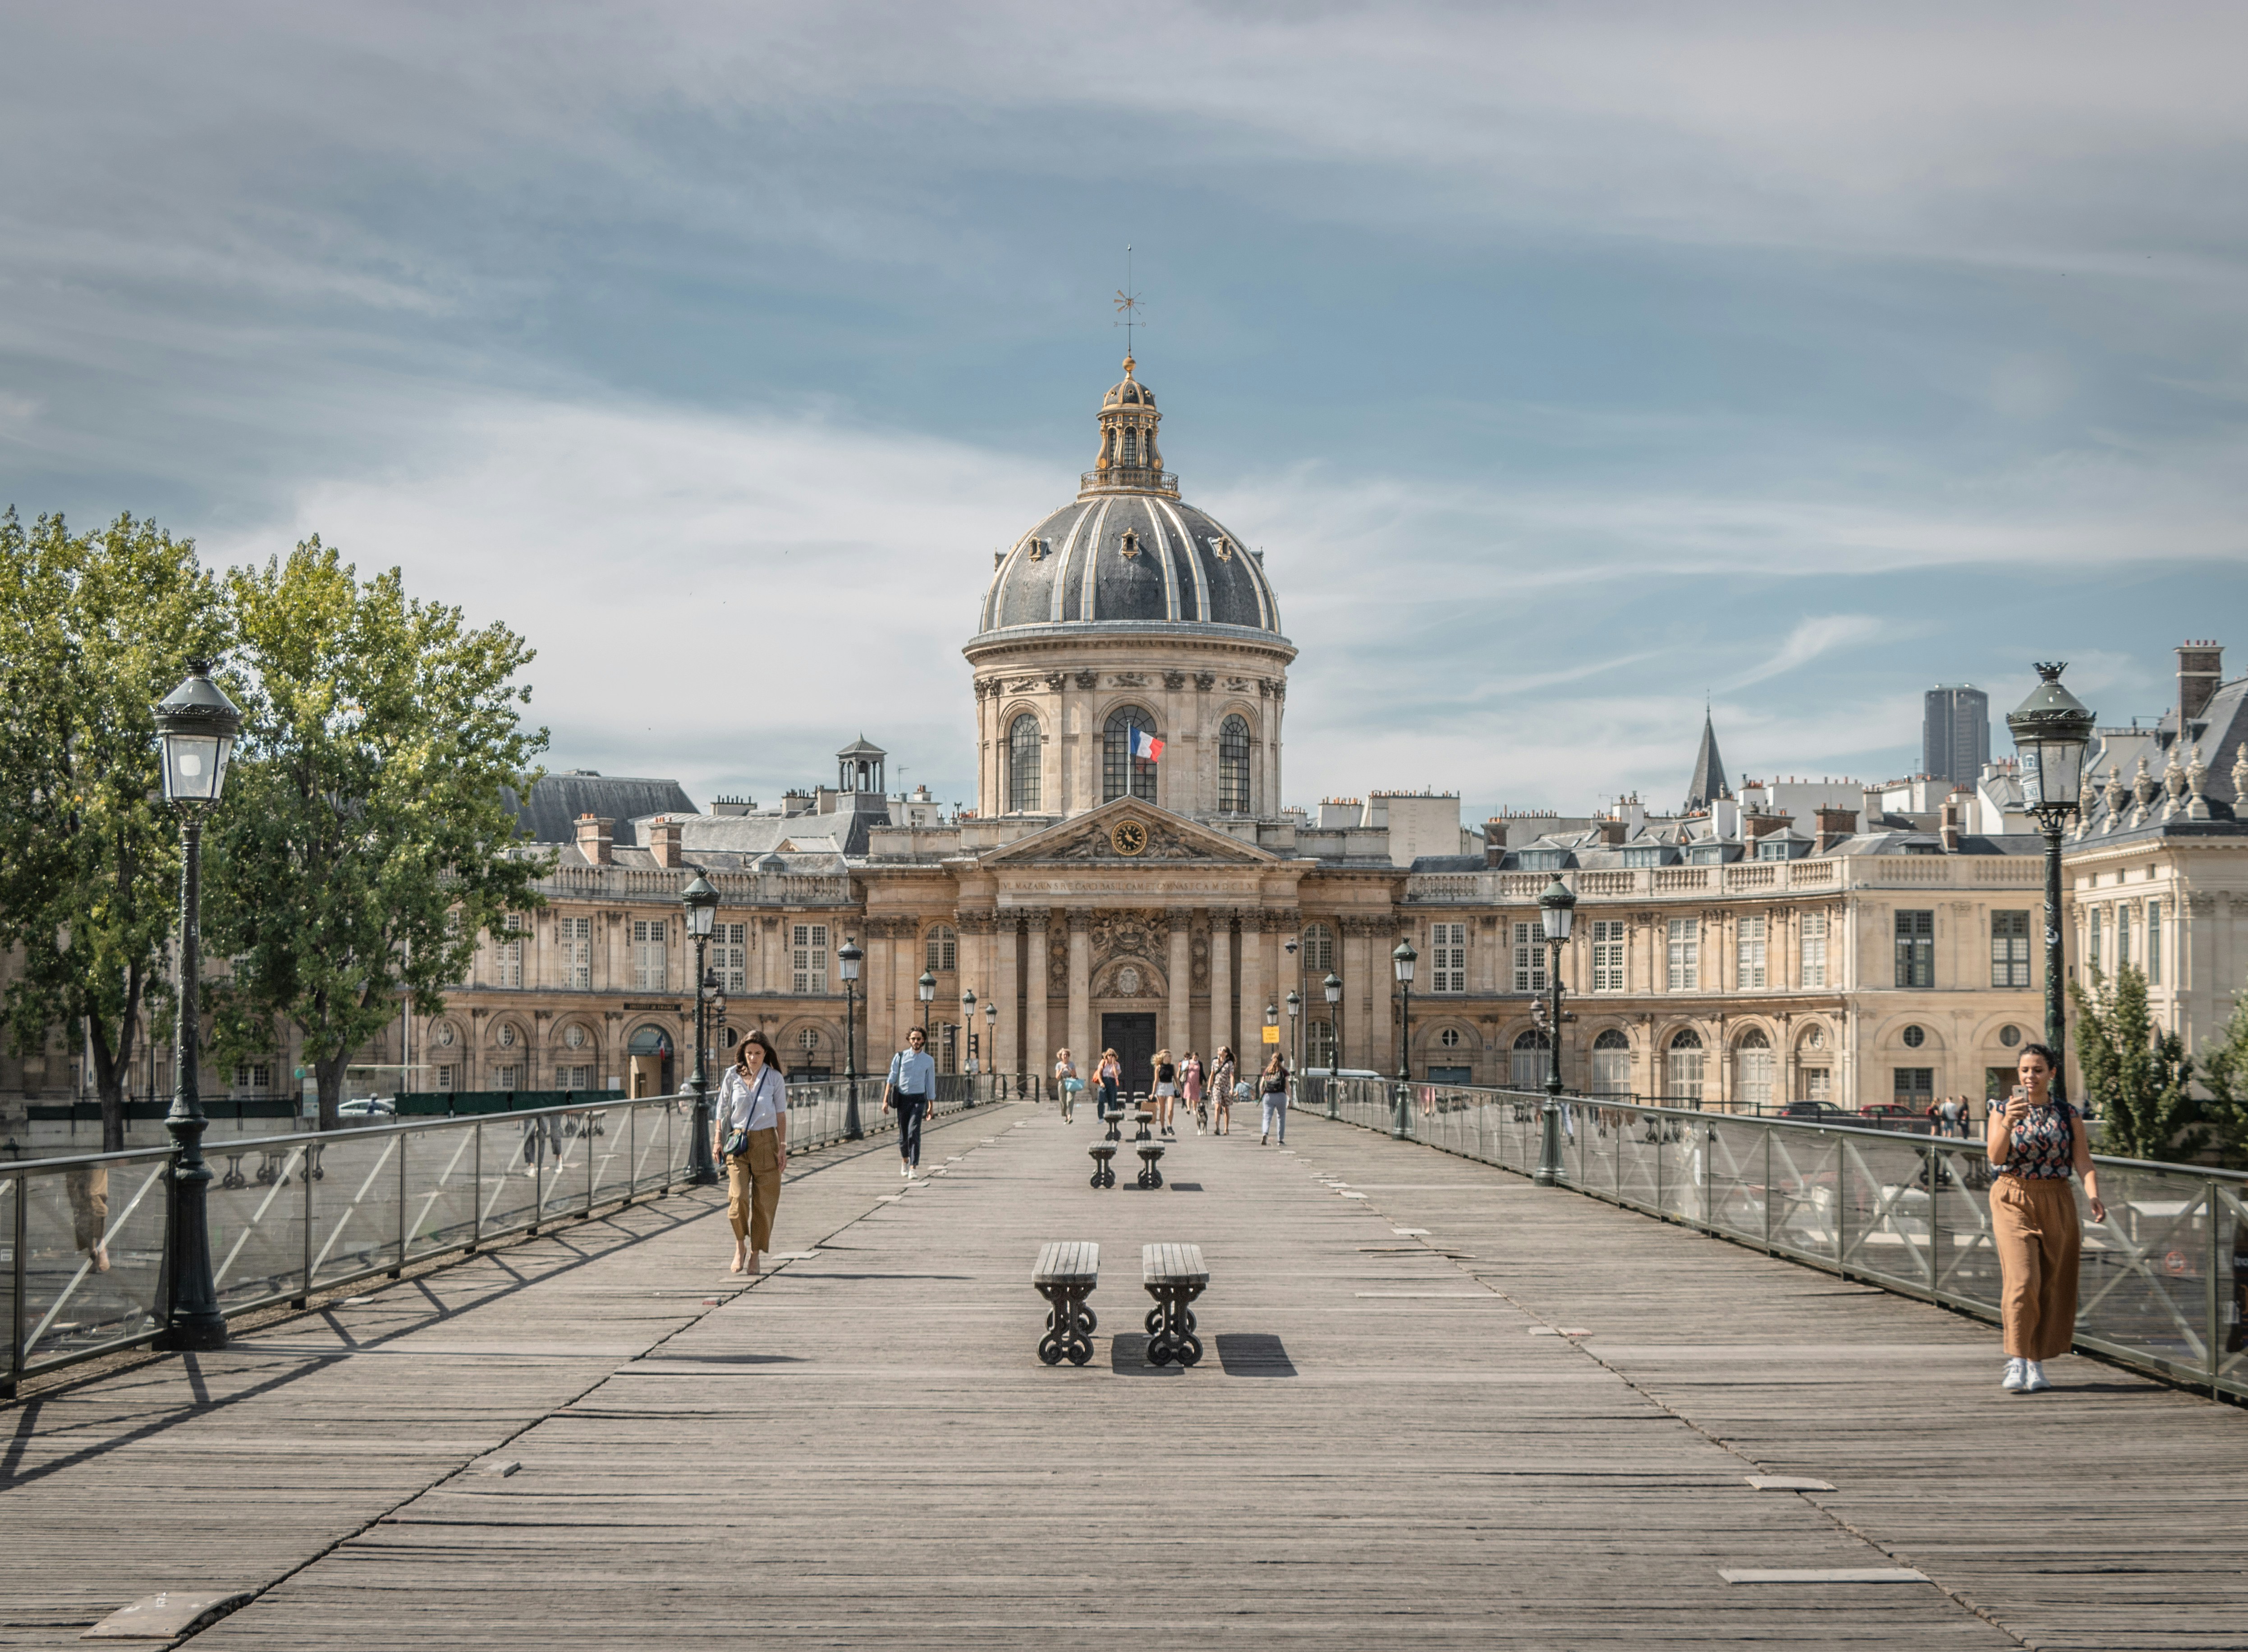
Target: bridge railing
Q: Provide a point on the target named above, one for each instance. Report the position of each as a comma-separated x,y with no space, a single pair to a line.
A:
83,1271
2164,1279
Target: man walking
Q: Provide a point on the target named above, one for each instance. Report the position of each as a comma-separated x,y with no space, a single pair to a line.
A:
910,1089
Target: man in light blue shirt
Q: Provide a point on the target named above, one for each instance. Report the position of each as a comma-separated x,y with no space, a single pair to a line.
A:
911,1089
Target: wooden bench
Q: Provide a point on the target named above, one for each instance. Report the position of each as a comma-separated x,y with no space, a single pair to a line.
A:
1066,1272
1175,1276
1143,1118
1103,1171
1151,1159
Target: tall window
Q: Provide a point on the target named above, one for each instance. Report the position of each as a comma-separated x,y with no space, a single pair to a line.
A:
1447,962
1683,971
650,970
1527,1061
944,949
1751,952
1320,1044
1233,766
1816,1083
577,1078
1528,957
2123,939
1608,957
1023,762
1612,1063
1916,949
1916,1087
2009,948
1752,1068
1121,774
1814,948
808,956
1681,1076
507,951
730,956
508,1076
2092,952
254,1076
2154,943
576,939
1319,950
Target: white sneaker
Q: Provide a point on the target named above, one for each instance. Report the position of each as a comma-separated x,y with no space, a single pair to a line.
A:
2017,1377
905,1170
2037,1384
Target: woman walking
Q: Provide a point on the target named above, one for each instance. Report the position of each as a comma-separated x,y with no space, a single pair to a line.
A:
1166,1092
1110,1074
910,1089
1274,1086
750,1135
1190,1090
1222,1079
1068,1084
2033,1145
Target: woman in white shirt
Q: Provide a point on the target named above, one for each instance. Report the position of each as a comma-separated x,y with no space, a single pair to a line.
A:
751,1133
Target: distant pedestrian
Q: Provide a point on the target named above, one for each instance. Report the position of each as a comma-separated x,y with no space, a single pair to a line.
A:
1223,1076
2033,1145
88,1190
1110,1074
909,1090
750,1134
1066,1085
1954,1115
1191,1091
1273,1086
1165,1094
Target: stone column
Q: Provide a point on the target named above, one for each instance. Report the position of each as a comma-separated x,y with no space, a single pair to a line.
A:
1080,991
1179,1035
1087,768
1008,1035
1253,983
1041,1051
1221,979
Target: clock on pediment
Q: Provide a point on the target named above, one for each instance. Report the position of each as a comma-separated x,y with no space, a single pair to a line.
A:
1128,837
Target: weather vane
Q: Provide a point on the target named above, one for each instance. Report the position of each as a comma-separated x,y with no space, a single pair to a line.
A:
1128,303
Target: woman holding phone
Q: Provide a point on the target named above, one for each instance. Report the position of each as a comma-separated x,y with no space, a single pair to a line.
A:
750,1134
2034,1145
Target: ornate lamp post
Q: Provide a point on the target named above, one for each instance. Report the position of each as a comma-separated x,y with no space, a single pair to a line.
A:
2051,731
702,903
992,1041
197,724
1291,946
1558,907
1333,987
847,958
1295,1030
968,1035
927,987
1403,959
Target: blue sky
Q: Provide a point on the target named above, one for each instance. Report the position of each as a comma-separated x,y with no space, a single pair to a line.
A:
1568,363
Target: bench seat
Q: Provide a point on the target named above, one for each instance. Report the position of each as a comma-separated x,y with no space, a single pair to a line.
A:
1175,1275
1067,1273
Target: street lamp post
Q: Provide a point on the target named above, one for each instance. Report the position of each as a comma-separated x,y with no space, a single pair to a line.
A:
926,987
197,724
968,1033
2051,731
1295,1029
992,1040
1333,987
1292,947
1403,959
702,903
847,959
1558,907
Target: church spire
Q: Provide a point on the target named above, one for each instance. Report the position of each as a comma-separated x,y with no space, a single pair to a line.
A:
1708,782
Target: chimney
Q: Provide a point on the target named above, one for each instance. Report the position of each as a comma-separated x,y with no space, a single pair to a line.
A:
1835,825
1951,827
663,843
1494,843
1763,825
1611,832
2200,669
596,840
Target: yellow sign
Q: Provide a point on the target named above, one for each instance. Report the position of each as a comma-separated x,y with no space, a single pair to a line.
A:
1272,1035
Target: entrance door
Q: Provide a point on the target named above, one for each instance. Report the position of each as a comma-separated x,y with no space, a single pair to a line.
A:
1133,1038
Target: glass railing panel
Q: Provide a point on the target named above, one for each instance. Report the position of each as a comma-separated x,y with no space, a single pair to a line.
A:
565,1145
256,1203
514,1155
1639,1159
75,1218
612,1153
1806,1194
2144,1282
1683,1142
355,1204
1890,1194
440,1187
1966,1260
1737,1190
2231,1333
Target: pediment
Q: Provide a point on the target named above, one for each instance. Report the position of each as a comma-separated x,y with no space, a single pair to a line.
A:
1106,836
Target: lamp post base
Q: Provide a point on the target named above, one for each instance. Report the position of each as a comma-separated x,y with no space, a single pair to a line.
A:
702,1169
1548,1174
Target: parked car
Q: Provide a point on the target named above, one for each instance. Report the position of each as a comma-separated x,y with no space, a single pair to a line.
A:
1826,1112
1892,1115
367,1106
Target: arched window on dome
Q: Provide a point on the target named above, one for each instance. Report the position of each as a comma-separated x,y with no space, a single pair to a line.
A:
1130,453
1233,766
1122,774
1024,755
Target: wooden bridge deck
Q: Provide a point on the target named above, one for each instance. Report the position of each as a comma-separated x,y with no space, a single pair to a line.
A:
1385,1444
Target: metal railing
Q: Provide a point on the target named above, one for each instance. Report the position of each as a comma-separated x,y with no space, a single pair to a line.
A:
2164,1281
83,1271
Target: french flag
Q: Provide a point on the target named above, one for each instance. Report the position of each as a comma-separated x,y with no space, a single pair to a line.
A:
1145,745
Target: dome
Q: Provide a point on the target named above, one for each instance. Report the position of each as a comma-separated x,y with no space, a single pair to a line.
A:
1130,558
1130,392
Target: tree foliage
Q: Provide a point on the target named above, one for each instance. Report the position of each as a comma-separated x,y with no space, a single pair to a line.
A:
94,629
2225,1073
2140,1078
365,805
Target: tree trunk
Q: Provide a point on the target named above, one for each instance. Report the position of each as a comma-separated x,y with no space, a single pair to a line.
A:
328,1074
110,1068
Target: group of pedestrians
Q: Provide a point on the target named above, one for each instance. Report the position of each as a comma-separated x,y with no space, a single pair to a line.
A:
1209,1090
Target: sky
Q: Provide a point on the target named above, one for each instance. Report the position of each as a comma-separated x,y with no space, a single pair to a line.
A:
1573,366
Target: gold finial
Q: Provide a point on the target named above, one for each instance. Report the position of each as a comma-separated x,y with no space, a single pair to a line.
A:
1128,364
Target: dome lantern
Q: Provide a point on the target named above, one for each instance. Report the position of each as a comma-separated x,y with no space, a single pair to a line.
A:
1130,456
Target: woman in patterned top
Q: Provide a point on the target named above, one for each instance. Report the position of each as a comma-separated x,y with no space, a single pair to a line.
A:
2034,1145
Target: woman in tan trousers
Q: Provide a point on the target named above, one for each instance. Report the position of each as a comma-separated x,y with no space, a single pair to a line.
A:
752,1110
2034,1145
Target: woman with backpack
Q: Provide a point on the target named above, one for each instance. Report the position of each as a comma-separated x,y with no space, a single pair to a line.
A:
1273,1084
1223,1078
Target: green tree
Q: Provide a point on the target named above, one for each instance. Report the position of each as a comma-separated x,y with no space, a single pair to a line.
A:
364,807
2140,1078
2224,1073
94,629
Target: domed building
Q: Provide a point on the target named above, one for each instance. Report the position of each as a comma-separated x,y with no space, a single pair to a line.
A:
1126,618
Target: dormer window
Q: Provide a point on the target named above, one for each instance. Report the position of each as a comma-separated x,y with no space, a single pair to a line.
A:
1037,549
1131,538
1772,849
1706,854
1645,857
1540,859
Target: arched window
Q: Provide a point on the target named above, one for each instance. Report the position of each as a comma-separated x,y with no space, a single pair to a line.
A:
1681,1077
944,949
1612,1063
1023,756
1319,950
1319,1045
1752,1068
1233,766
1122,774
1526,1068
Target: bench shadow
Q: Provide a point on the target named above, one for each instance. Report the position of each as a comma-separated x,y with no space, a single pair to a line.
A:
1127,1356
725,1359
1184,1186
1253,1353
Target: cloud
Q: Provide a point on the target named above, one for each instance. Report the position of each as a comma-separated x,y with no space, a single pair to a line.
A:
1810,639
